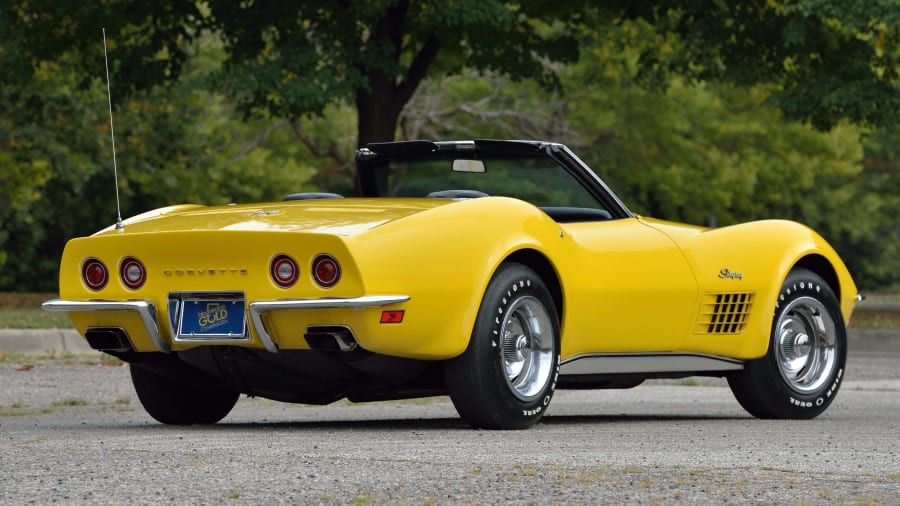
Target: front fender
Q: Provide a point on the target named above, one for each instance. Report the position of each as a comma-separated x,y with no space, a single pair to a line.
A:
755,257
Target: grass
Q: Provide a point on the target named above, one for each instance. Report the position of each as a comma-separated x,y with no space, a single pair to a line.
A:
876,318
23,411
15,300
23,311
19,408
32,319
70,402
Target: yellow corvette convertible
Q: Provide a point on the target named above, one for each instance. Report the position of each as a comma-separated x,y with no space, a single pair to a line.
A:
492,271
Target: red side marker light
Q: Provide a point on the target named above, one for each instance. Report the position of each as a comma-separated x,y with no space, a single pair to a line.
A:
392,316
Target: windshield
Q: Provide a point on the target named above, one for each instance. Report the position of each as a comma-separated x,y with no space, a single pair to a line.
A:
538,180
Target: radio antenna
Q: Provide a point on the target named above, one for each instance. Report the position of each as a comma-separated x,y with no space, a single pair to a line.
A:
112,134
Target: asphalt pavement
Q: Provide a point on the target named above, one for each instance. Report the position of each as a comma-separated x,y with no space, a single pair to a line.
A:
74,432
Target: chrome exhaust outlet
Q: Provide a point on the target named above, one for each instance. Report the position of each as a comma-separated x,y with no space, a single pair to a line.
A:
331,338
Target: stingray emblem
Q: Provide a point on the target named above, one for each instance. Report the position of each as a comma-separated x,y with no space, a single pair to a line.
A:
727,274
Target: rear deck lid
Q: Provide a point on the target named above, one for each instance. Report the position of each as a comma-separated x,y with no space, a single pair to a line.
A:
345,217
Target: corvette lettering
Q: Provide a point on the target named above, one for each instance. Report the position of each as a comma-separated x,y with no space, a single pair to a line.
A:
202,272
727,274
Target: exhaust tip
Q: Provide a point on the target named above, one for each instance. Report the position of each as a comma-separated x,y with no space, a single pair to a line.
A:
112,339
331,338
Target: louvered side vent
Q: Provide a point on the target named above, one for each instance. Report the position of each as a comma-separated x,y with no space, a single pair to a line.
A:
724,313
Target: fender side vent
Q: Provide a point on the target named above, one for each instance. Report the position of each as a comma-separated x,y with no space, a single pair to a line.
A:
724,313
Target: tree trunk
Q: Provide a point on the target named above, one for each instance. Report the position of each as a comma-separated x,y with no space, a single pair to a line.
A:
378,106
378,111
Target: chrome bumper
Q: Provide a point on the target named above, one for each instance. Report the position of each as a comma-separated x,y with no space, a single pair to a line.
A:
147,312
143,308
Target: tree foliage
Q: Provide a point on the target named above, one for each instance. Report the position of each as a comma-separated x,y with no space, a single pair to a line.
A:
830,60
694,110
703,153
175,144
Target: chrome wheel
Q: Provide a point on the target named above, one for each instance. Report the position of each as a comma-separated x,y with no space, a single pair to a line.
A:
527,340
803,369
805,345
507,376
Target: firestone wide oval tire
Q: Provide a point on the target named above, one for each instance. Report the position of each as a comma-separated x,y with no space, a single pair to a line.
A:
175,403
802,371
507,375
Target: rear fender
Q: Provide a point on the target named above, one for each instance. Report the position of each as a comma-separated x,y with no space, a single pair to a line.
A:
444,259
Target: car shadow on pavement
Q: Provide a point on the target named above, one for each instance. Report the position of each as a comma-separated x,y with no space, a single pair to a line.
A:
439,424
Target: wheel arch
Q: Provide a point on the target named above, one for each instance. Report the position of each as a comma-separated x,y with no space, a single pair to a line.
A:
823,268
540,264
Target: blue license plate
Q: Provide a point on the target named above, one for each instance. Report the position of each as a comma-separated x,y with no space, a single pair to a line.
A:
218,318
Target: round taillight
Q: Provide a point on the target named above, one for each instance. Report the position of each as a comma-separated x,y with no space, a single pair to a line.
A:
326,271
132,272
284,271
94,274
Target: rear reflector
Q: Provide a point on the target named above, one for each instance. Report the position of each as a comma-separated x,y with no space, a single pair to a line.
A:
132,272
284,271
392,316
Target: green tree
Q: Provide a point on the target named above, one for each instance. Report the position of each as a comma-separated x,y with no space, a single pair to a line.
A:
300,72
297,58
873,230
179,143
831,60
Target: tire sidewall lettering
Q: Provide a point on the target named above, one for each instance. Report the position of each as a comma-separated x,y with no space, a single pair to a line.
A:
818,400
823,396
517,289
478,381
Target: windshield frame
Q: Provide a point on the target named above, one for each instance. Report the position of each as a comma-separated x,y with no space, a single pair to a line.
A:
376,156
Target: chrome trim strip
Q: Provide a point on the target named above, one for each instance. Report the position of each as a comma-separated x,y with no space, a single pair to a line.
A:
141,307
637,363
597,179
257,309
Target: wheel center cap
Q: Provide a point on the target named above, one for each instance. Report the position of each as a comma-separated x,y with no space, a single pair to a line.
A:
521,346
802,344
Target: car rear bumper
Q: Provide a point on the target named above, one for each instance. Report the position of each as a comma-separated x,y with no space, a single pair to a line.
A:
146,311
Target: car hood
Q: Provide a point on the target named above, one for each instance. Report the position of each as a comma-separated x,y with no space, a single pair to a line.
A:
343,217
